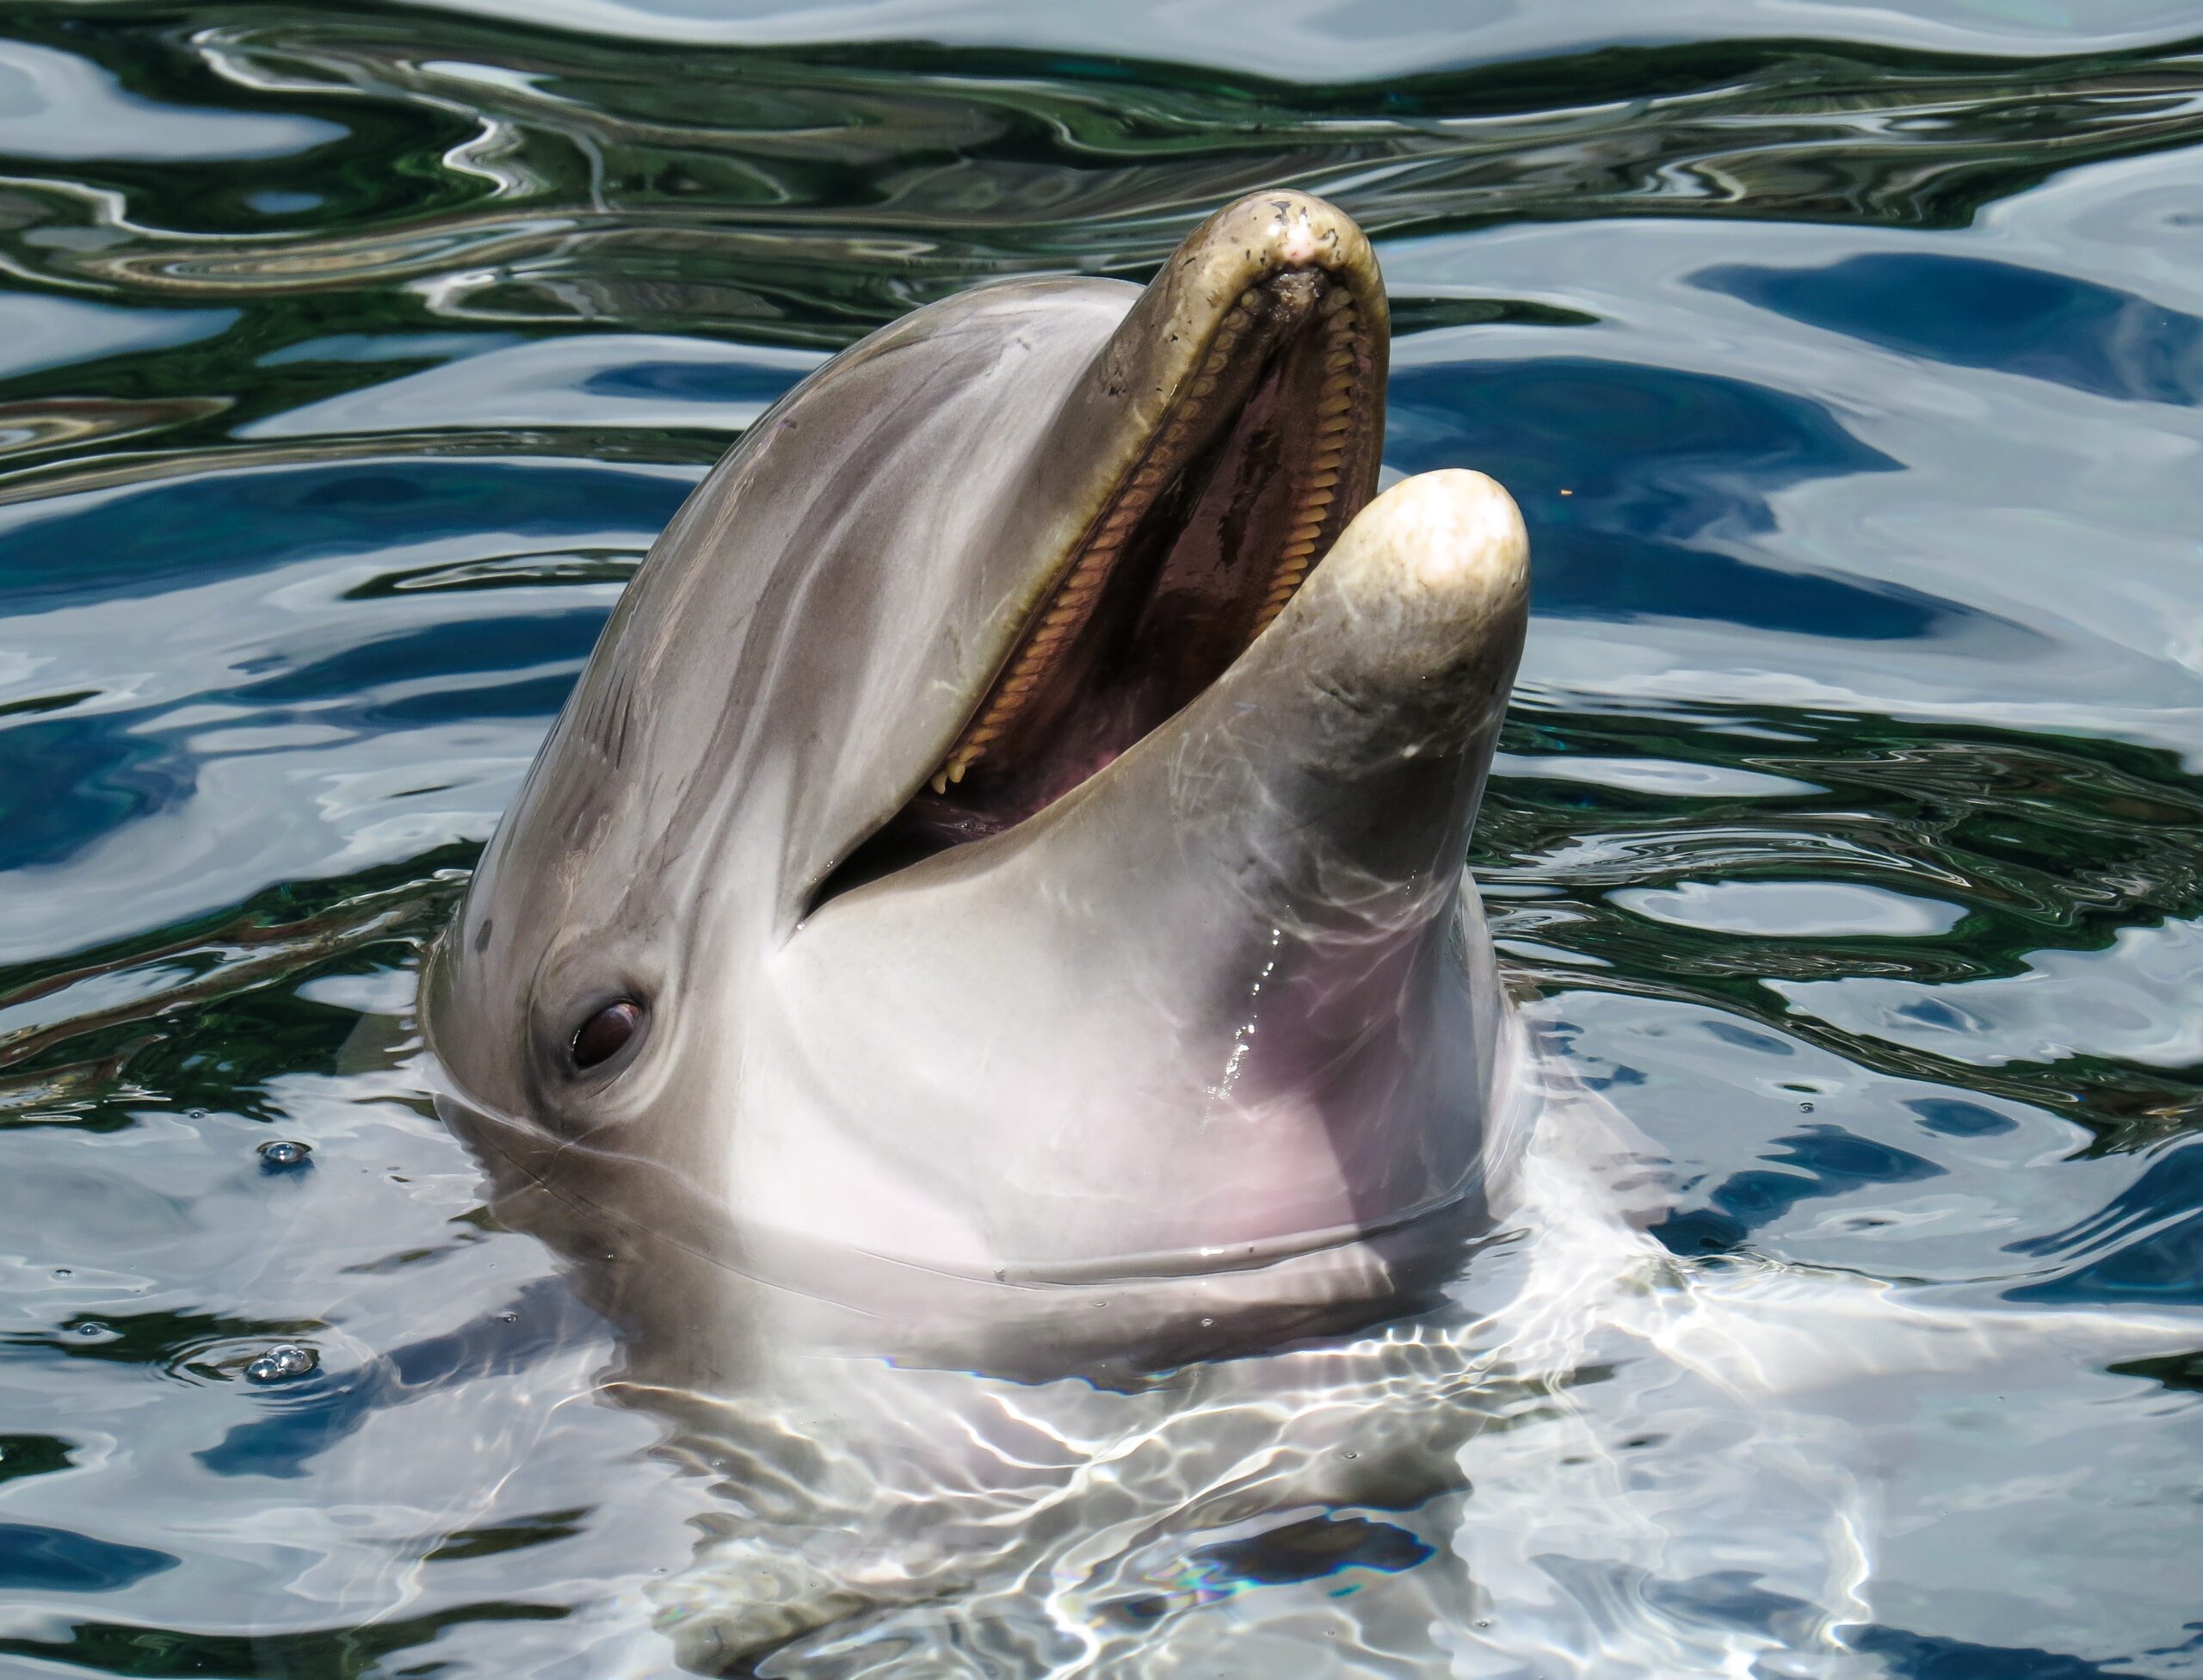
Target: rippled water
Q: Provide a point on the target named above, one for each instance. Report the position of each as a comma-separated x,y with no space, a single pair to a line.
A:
1847,369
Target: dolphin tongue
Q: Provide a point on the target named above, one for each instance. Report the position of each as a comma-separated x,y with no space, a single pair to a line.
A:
1275,1031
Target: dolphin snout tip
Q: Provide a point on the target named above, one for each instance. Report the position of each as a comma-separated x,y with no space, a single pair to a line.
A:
1419,610
1265,233
1296,240
1453,536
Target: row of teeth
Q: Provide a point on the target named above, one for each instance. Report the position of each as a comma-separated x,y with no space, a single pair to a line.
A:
1344,351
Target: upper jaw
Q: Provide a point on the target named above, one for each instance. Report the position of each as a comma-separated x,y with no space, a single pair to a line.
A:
1275,296
1166,338
1227,432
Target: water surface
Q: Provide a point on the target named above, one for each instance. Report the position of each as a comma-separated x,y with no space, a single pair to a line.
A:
1848,369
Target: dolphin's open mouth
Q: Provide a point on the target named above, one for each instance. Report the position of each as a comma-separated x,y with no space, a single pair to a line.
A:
1265,451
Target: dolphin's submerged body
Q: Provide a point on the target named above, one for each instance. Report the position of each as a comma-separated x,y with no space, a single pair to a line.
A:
982,984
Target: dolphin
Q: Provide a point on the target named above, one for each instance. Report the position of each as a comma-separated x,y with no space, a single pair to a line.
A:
1008,842
981,987
994,902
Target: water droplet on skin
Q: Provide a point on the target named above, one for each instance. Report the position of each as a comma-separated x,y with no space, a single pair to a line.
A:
282,1362
281,1154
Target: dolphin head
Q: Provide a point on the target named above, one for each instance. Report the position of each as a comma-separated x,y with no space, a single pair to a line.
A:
1012,826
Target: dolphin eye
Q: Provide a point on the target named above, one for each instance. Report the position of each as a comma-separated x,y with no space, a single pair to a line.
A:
606,1033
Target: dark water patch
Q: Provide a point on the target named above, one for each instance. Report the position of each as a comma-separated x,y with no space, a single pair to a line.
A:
2045,839
540,1530
690,381
222,1022
2181,1372
39,704
1814,1163
40,1559
190,532
249,1012
486,650
1665,451
523,572
1599,574
2173,1179
1926,1657
1638,485
1975,313
1736,1598
125,1648
105,778
735,187
24,1456
2049,843
1427,314
328,136
1311,1550
1955,1117
2146,1245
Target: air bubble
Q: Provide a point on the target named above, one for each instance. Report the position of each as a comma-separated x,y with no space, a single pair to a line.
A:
281,1364
282,1154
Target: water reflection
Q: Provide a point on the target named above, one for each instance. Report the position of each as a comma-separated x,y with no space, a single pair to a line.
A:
55,105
